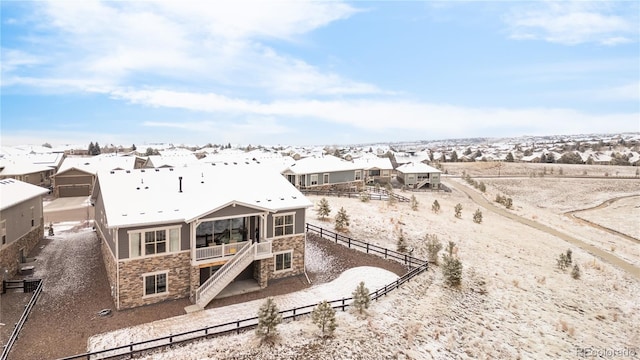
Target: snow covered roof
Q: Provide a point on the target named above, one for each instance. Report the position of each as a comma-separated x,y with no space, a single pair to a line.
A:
152,196
327,163
96,163
13,192
11,167
173,159
417,168
368,163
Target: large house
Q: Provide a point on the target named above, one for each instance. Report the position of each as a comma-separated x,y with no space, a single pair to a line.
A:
324,171
188,232
376,169
417,175
21,221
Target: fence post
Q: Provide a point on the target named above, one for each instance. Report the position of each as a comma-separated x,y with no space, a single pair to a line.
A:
320,232
294,313
385,253
342,304
170,338
336,237
349,242
238,327
367,248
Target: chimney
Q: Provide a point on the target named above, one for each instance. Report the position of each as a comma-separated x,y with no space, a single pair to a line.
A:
180,182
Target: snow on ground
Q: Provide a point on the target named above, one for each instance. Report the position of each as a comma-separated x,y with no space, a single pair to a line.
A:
546,200
622,214
69,242
513,303
317,260
342,287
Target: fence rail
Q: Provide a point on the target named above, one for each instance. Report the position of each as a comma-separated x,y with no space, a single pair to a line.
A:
380,194
406,259
417,266
27,309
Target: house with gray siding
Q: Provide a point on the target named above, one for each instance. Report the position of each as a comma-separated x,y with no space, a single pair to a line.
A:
417,175
324,171
21,221
172,233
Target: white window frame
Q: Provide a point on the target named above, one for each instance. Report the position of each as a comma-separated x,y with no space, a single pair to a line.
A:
155,274
3,232
313,179
284,224
170,246
275,261
358,175
325,179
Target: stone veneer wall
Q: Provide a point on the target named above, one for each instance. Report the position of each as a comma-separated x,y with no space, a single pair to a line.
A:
9,255
295,243
132,284
110,267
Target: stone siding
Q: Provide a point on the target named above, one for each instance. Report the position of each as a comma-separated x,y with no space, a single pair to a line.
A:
132,284
110,267
9,255
295,243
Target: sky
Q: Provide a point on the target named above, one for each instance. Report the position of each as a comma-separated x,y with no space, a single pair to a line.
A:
315,73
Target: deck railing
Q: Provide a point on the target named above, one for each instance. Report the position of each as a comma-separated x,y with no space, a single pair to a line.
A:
219,251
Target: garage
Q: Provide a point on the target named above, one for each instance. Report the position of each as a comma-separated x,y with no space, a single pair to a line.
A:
74,190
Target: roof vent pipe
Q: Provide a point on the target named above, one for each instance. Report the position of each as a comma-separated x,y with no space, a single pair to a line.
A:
180,183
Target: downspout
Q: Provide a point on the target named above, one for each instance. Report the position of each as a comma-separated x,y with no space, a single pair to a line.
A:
305,251
117,256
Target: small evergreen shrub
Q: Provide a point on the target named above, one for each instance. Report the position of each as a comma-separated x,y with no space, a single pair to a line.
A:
451,267
414,203
323,209
433,248
435,207
364,196
482,187
564,260
477,216
402,242
324,317
575,273
342,220
268,319
458,210
361,298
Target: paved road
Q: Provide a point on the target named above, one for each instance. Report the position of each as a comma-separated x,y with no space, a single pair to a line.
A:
480,200
68,209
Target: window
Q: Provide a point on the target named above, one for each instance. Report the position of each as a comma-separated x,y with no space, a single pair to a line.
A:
374,172
283,225
314,179
3,231
155,242
150,242
33,217
283,261
325,178
358,175
155,284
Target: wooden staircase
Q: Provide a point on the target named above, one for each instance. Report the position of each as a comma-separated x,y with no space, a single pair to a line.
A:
228,272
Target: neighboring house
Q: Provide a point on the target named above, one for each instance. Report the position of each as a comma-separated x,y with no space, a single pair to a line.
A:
376,169
188,232
39,175
177,159
325,171
419,175
77,174
21,221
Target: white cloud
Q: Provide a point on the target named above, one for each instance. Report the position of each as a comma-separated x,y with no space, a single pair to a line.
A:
202,44
384,115
573,23
12,59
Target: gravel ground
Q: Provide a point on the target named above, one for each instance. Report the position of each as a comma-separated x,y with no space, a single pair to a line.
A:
76,288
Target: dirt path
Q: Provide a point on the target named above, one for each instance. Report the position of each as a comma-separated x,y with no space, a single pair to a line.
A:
573,215
480,200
